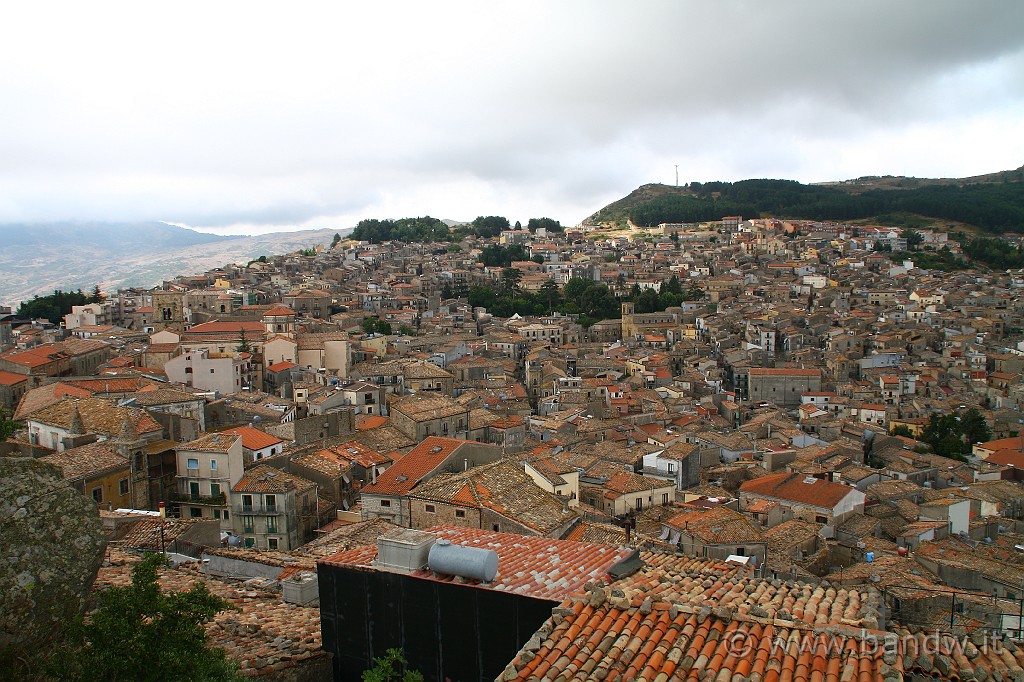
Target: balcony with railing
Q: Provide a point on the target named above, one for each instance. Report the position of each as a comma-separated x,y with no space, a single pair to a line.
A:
260,509
217,500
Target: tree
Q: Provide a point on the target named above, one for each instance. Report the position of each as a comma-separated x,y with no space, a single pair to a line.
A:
243,344
510,278
902,430
140,632
96,296
914,239
337,238
549,292
544,223
7,425
489,226
392,667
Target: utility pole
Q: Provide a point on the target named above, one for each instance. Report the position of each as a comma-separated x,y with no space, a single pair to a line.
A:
677,175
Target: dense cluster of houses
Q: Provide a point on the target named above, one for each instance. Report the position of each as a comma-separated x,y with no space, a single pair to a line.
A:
737,461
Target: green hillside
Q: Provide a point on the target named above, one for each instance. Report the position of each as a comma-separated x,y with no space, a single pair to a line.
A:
993,203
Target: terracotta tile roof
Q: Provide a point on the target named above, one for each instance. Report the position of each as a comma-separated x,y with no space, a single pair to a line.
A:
347,536
98,415
280,366
789,534
624,483
503,488
420,407
236,328
536,567
145,532
253,439
263,478
798,488
717,525
162,347
662,642
598,534
789,372
401,477
266,635
151,396
11,379
211,442
279,310
87,461
365,422
358,453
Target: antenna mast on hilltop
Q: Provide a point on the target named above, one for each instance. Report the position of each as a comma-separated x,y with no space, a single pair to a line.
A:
677,175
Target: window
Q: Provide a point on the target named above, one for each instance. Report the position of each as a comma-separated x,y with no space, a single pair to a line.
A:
271,502
385,503
429,508
214,489
97,494
821,519
193,463
250,542
193,489
225,514
195,512
496,527
460,513
248,523
741,551
213,465
247,501
211,369
664,498
271,543
216,514
122,486
639,503
271,524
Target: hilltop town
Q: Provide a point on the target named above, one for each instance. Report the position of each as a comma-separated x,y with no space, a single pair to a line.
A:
562,453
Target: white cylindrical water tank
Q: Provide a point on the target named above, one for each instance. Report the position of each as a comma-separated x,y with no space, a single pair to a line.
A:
467,562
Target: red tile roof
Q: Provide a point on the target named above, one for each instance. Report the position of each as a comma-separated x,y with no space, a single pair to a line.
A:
218,327
280,366
798,488
254,439
11,379
411,469
789,372
536,567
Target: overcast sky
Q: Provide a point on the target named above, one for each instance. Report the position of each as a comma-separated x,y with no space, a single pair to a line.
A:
243,116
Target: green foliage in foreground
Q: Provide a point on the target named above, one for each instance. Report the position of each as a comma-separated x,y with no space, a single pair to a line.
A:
140,632
391,667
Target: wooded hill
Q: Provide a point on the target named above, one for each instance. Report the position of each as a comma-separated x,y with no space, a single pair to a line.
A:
993,203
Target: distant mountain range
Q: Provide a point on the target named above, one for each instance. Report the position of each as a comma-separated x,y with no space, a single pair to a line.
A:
35,259
993,202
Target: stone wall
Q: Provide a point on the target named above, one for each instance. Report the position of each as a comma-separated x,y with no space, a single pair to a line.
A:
53,543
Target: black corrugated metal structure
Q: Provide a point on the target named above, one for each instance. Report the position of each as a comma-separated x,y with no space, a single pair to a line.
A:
447,630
